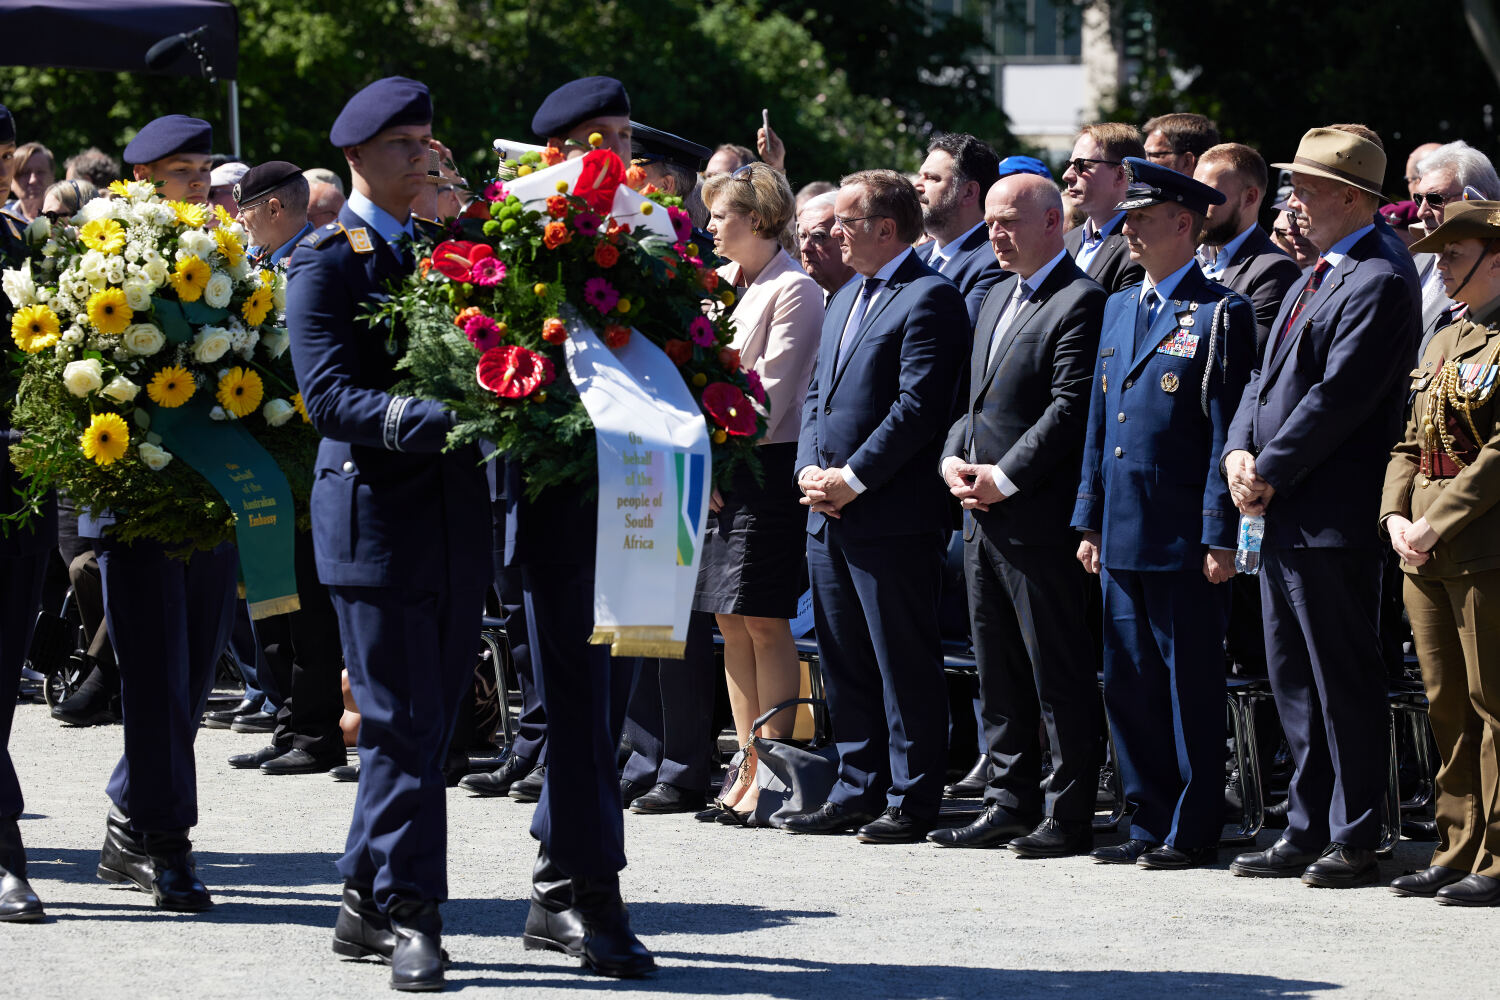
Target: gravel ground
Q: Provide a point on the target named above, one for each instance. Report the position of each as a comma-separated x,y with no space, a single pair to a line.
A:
728,912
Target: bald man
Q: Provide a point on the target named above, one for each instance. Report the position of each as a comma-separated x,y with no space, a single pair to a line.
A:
1013,459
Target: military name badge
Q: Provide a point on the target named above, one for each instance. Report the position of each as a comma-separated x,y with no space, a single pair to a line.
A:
1169,382
359,239
1181,344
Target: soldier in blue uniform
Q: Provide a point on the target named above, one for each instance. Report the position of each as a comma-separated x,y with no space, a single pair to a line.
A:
169,620
575,899
23,558
398,535
1158,523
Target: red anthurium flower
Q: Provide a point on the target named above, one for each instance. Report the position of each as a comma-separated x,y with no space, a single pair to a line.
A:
729,408
513,372
451,258
479,251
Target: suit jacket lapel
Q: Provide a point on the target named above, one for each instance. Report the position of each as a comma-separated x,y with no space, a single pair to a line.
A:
1320,298
888,291
1056,279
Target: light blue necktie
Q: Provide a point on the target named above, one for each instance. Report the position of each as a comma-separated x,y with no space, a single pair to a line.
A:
856,317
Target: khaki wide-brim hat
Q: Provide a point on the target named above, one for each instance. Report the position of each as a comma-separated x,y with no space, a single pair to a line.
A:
1339,156
1462,220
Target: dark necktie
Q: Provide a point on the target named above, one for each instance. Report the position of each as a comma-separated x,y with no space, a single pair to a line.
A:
856,317
1311,289
1151,303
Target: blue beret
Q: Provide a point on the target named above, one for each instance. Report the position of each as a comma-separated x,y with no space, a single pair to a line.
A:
384,104
7,126
578,101
1024,165
168,135
652,145
1154,185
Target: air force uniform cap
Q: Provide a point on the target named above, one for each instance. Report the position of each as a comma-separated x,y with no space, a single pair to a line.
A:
7,126
384,104
168,136
578,101
1154,185
653,145
1024,165
263,178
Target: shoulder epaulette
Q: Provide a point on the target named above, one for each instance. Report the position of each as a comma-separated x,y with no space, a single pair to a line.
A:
359,238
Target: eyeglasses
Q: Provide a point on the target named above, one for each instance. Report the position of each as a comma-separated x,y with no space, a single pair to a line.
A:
1433,199
742,173
256,204
816,236
843,223
1157,154
1285,234
1081,165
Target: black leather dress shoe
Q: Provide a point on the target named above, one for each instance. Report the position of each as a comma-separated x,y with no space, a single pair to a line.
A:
1426,882
586,919
894,826
1343,867
529,788
995,827
95,703
361,930
1055,838
18,904
1165,857
493,784
255,722
632,790
1281,860
345,772
174,874
417,952
224,718
971,785
123,856
299,761
256,758
830,817
1471,890
1127,853
665,798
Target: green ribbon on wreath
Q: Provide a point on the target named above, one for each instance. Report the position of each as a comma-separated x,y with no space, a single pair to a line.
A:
247,477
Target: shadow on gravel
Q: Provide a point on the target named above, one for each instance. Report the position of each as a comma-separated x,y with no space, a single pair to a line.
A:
219,871
648,918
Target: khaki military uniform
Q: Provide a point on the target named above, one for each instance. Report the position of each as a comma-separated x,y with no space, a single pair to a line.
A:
1447,469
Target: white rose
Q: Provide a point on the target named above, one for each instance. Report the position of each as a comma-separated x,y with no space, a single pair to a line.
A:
219,413
38,231
137,295
98,208
142,338
19,286
217,292
275,341
72,336
240,271
210,344
195,243
120,389
92,269
156,458
83,377
155,271
277,412
278,297
114,270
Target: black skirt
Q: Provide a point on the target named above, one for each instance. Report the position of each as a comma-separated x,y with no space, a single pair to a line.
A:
755,548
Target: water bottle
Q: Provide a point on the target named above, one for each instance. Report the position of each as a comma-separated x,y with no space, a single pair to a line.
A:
1247,555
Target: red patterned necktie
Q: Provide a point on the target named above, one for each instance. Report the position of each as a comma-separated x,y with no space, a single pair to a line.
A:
1311,289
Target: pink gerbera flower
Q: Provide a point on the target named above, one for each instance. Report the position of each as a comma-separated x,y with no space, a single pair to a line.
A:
701,330
587,224
682,223
487,271
600,294
756,388
495,191
483,332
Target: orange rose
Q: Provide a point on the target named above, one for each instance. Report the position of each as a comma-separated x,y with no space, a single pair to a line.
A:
555,235
680,351
553,331
616,335
709,280
463,318
730,359
424,265
635,176
615,229
557,206
552,156
606,255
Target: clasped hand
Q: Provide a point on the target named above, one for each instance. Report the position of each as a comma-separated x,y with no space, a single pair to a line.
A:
825,490
1247,489
976,486
1413,541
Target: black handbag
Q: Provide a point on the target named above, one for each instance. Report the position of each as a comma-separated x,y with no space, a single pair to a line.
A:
794,776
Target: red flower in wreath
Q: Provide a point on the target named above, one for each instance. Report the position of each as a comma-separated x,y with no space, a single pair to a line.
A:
513,372
680,351
606,255
682,223
729,408
757,389
553,331
557,206
730,359
455,258
616,335
709,280
555,235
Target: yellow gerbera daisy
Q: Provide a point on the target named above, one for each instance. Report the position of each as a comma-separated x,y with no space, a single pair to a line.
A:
255,308
109,312
240,391
190,277
189,214
104,235
34,328
105,439
120,188
229,244
301,407
222,215
171,386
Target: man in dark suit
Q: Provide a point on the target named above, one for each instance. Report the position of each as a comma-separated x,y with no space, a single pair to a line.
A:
1157,521
395,521
880,401
1177,140
1235,251
951,185
1096,181
1307,449
1011,459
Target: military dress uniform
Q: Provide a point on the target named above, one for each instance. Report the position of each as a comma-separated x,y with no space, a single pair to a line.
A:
1447,469
399,537
1168,377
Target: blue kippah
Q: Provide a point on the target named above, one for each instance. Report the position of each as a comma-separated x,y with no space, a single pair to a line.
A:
170,134
578,101
395,100
7,126
1024,165
1154,185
